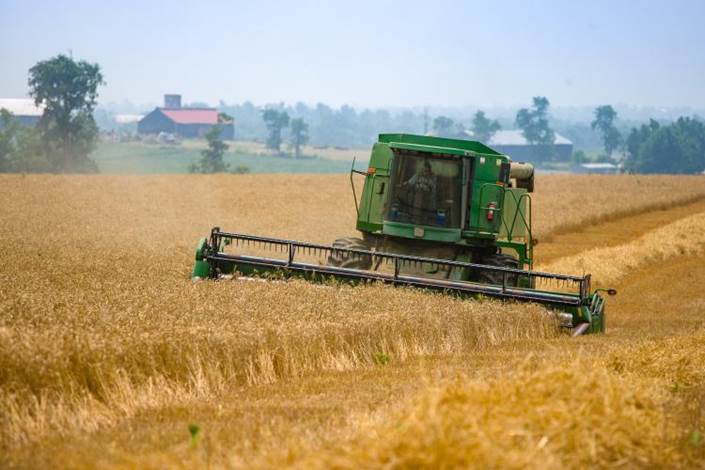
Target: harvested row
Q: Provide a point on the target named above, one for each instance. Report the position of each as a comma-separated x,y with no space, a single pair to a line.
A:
608,265
563,203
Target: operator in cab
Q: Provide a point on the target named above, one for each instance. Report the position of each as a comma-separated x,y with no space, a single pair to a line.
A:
423,197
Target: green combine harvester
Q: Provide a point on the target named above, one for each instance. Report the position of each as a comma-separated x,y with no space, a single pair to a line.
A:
434,213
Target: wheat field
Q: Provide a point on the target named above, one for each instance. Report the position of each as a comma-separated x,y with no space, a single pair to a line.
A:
108,351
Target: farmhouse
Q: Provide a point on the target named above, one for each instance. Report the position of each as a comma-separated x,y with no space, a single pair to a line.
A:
184,122
23,110
514,144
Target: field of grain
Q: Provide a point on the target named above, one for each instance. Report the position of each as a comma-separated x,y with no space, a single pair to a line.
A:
108,352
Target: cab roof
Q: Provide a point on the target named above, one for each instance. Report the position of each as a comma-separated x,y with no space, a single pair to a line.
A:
436,144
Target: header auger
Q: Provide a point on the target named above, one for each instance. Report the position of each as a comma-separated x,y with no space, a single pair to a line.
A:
434,213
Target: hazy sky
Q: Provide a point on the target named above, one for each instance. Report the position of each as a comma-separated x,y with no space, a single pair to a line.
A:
370,53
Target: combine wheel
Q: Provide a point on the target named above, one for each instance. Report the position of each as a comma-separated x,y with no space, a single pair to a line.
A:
347,260
495,277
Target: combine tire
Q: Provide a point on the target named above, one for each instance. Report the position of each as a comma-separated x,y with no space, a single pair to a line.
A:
495,277
347,260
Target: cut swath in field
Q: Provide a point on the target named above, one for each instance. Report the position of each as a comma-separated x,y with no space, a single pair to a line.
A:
563,203
608,265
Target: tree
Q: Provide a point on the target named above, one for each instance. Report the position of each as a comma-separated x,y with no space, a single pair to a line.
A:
604,123
675,148
212,157
20,147
482,128
634,142
578,157
275,122
443,125
299,135
535,128
8,129
68,90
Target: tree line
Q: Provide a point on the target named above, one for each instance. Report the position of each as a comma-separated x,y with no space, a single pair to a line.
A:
66,133
324,126
676,147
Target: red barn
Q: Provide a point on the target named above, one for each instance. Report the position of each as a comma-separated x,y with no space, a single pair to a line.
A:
184,122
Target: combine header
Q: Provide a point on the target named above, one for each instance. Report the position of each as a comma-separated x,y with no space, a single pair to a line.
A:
434,213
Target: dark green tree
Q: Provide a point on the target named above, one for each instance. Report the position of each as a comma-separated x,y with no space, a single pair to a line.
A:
634,141
68,89
675,148
224,118
535,127
8,130
604,123
443,126
275,121
299,135
20,147
212,157
482,128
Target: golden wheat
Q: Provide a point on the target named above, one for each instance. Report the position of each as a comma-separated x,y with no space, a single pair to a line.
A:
99,322
109,362
560,416
582,413
102,320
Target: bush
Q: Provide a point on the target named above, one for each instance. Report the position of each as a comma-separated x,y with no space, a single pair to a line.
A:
241,169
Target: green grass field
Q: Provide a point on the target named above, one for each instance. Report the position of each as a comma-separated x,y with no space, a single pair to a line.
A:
138,158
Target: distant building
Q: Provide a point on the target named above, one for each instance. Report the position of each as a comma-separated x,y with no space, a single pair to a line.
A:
23,110
514,144
597,168
184,122
128,118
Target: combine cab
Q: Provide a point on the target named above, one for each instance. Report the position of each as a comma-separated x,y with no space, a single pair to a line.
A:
434,213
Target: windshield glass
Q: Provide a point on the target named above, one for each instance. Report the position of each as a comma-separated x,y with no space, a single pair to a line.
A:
426,190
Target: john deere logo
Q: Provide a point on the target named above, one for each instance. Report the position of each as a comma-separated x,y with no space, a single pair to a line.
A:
418,232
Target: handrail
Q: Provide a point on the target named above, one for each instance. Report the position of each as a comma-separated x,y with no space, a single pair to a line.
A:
352,185
292,247
518,214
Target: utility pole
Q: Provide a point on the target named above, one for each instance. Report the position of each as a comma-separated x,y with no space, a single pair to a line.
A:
425,120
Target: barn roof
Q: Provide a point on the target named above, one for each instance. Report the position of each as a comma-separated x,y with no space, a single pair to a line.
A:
191,115
21,106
